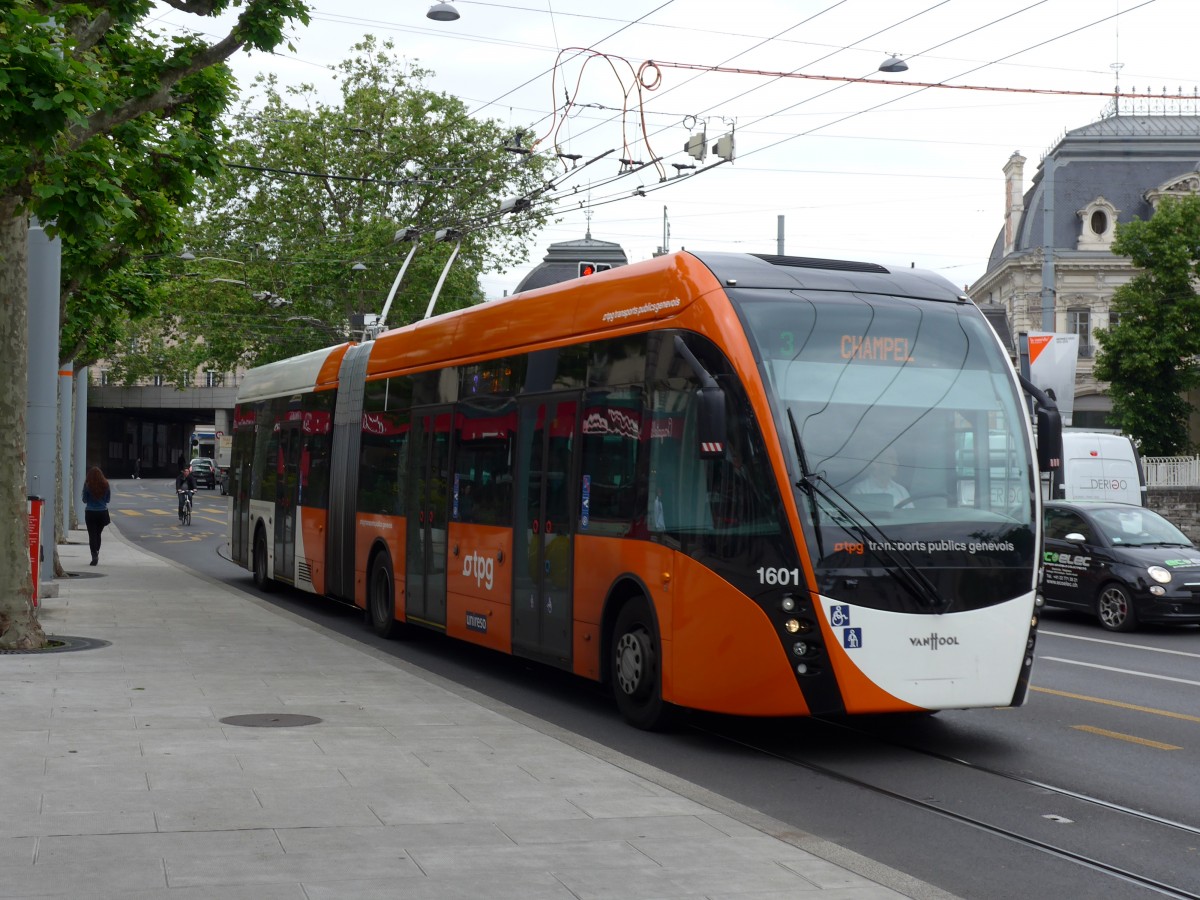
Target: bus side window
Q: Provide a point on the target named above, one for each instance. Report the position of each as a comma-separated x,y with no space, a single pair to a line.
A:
483,462
678,496
383,447
612,440
734,494
266,468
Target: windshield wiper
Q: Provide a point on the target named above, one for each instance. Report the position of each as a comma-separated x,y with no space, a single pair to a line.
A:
806,482
856,522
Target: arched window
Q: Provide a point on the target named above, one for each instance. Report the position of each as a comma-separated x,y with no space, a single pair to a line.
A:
1098,221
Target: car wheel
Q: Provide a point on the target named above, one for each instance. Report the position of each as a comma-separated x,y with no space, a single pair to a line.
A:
1114,608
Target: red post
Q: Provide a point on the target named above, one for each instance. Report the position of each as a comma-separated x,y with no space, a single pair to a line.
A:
35,543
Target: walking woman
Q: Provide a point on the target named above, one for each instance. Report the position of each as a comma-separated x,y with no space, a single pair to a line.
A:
96,495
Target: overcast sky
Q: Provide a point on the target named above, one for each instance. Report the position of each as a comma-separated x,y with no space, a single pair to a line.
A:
890,173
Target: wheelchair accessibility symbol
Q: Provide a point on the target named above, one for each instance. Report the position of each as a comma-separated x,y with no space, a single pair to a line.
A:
839,616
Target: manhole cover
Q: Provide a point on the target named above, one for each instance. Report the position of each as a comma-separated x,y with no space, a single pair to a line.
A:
270,720
61,643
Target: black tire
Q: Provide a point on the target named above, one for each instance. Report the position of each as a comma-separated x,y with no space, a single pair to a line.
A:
262,580
637,667
381,598
1114,608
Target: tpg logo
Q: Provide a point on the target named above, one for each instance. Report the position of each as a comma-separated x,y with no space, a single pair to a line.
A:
841,546
481,568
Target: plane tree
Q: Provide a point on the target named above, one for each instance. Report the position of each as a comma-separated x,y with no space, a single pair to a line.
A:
104,125
293,239
1150,354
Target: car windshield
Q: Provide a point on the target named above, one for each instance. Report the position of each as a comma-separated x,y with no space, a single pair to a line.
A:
1137,527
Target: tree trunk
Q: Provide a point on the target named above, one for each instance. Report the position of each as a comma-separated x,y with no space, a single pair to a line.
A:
19,627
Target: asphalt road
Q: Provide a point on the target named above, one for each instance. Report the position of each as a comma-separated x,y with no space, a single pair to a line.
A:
1090,790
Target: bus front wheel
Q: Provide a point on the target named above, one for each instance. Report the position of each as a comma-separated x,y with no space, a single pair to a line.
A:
381,598
637,667
262,580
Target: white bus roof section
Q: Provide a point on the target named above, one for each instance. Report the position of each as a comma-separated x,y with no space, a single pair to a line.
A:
285,377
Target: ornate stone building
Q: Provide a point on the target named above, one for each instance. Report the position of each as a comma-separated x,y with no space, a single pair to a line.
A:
1052,266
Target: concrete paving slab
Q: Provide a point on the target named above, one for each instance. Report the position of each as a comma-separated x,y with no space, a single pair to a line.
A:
67,875
123,782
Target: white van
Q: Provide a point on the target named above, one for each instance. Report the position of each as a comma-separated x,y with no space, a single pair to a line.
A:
1099,466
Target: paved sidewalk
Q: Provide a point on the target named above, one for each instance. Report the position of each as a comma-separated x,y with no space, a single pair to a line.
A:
120,780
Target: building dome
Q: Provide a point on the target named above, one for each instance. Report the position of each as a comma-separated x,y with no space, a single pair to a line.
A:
562,260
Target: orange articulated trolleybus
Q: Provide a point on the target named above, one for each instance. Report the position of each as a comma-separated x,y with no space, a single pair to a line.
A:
758,485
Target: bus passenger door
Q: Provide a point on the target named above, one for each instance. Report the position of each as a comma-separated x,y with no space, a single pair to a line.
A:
286,489
543,528
428,509
240,468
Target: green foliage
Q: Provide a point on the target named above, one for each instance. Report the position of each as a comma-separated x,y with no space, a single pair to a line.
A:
1149,356
104,126
313,187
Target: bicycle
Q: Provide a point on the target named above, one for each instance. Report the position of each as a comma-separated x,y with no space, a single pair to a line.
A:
185,514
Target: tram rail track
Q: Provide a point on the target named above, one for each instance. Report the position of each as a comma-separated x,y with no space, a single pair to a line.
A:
1114,870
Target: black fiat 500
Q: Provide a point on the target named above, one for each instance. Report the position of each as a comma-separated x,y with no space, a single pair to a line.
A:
1124,564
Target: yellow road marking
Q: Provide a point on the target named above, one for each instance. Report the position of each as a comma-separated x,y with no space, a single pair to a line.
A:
173,513
1145,742
1117,703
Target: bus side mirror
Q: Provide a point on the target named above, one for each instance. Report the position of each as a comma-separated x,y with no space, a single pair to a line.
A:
1049,426
710,422
1049,439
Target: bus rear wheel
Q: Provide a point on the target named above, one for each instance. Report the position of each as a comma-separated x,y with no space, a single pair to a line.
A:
262,580
637,668
381,598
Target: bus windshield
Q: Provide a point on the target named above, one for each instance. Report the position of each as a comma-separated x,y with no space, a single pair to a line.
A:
905,411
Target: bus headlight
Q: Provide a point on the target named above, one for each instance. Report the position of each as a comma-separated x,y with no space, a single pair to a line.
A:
792,626
1159,574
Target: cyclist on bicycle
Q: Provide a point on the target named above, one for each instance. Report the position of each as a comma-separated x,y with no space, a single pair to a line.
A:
185,485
